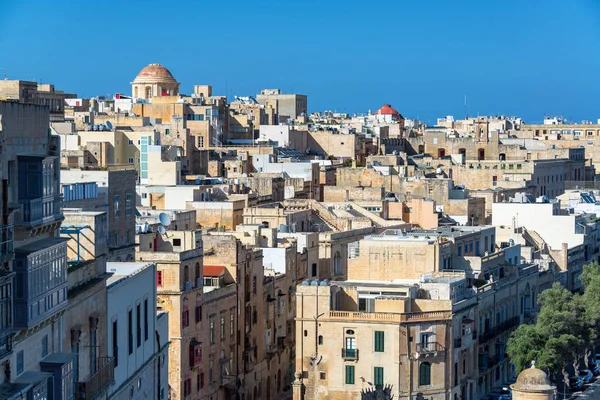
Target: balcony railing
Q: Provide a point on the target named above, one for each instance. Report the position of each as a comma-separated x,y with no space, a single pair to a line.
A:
6,240
430,347
5,345
392,317
350,354
497,330
100,380
36,211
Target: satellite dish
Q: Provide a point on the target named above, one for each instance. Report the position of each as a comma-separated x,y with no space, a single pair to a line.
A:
162,230
164,219
109,125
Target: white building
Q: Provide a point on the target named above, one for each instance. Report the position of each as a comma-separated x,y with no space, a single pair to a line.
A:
138,337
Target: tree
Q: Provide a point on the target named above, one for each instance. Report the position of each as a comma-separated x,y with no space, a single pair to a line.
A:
559,337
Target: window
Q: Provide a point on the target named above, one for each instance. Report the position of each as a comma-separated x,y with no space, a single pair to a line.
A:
254,284
167,131
185,318
212,332
349,374
379,341
145,320
459,249
94,347
45,346
130,142
176,242
138,325
187,387
231,324
201,380
128,205
222,328
20,361
322,375
198,314
200,141
378,376
130,160
159,280
115,337
320,340
130,330
425,374
116,210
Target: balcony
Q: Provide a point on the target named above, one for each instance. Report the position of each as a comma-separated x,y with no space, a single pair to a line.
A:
350,354
5,345
195,354
430,348
6,241
98,382
41,210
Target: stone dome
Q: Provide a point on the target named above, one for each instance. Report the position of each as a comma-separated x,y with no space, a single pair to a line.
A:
532,380
154,73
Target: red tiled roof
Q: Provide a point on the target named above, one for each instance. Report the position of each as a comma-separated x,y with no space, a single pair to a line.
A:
213,270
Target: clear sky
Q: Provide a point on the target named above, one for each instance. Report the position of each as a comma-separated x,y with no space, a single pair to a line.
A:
513,57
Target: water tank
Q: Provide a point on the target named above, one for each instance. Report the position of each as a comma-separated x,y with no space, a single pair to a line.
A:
315,283
90,127
95,128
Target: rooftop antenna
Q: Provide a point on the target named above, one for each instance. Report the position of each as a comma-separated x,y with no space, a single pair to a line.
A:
4,73
466,113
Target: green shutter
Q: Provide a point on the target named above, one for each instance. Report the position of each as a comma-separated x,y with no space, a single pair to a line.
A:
379,341
378,376
349,374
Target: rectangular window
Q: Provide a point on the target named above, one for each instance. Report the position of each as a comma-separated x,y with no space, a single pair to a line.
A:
187,387
115,332
349,374
198,314
200,141
159,281
138,325
116,210
231,324
130,142
212,332
176,242
128,205
201,380
379,341
459,249
378,376
167,131
20,361
185,318
145,319
222,328
130,160
130,331
45,346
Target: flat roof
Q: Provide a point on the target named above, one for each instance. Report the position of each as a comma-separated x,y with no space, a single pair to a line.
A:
40,244
123,270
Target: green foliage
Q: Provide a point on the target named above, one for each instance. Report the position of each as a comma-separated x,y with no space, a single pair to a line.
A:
565,329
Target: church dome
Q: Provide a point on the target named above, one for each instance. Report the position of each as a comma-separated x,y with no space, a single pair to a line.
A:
387,110
154,73
532,380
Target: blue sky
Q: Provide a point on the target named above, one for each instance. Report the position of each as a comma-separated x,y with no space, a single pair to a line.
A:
514,57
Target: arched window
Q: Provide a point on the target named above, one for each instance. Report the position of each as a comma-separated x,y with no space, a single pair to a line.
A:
425,374
148,92
481,154
337,263
462,151
197,272
502,157
320,339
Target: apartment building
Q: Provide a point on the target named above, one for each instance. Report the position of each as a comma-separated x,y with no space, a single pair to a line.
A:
417,317
178,255
113,191
33,330
138,335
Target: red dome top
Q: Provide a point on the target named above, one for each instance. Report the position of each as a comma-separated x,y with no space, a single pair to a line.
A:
387,110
